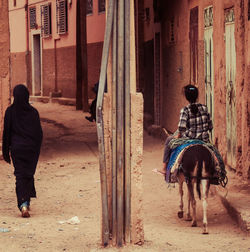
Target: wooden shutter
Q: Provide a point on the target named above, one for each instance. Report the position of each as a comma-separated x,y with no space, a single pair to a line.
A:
62,16
46,20
101,6
32,12
248,9
89,7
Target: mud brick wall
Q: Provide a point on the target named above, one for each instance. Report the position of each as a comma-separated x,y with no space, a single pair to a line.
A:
137,229
4,61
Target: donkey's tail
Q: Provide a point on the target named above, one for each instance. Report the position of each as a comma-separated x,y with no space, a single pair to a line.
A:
198,187
198,178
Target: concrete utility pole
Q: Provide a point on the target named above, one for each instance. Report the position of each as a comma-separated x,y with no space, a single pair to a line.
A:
120,130
81,57
4,60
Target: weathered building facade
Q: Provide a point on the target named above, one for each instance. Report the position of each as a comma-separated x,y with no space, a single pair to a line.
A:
43,44
4,62
205,43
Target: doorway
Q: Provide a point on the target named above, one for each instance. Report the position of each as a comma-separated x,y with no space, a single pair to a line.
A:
157,78
208,60
230,87
36,65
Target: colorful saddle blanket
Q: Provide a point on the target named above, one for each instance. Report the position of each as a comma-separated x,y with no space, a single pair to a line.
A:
178,148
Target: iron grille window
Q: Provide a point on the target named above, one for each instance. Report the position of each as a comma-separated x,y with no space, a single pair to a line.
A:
101,6
46,20
32,11
89,7
62,16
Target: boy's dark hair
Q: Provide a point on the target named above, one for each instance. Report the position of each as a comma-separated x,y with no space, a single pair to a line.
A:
191,94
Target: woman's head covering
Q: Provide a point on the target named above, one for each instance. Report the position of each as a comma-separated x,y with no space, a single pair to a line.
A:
25,119
21,95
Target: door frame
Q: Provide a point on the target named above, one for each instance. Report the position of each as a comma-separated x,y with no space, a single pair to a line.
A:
157,74
33,33
231,92
208,27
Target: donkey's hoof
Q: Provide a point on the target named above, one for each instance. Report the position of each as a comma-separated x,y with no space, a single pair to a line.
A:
194,224
205,231
180,214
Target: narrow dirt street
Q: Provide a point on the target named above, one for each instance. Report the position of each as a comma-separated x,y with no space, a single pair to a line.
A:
68,185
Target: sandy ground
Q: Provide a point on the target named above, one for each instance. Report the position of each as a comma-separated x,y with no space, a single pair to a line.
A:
68,185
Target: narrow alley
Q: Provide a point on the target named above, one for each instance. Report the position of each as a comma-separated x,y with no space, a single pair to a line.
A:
66,214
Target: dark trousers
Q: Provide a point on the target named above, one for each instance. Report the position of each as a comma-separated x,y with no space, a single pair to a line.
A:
93,109
25,189
167,150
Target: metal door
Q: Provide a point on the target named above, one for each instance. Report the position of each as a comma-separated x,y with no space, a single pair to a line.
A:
230,87
36,65
208,58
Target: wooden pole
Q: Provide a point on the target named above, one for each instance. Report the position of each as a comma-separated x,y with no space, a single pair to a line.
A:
84,56
120,126
100,126
78,60
127,187
81,57
114,122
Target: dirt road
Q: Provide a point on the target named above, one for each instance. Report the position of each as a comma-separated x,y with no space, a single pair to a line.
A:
68,185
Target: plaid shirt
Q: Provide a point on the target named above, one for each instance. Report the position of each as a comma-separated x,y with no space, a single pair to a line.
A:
195,126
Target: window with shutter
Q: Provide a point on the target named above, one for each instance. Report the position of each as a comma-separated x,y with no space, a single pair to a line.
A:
32,11
46,20
89,7
101,6
248,9
62,16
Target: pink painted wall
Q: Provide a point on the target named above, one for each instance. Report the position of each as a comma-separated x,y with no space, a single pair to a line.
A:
64,40
17,25
96,25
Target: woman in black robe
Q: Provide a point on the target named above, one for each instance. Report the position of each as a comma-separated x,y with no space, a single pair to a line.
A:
22,138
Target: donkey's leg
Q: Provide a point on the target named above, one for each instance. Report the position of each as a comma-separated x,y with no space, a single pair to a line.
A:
189,218
181,181
205,190
193,202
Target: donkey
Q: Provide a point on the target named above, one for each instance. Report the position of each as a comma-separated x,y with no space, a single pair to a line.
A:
197,166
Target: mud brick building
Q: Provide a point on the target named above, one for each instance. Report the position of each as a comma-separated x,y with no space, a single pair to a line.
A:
206,43
43,44
4,62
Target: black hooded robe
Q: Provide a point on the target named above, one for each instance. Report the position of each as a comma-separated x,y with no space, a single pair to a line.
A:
22,137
